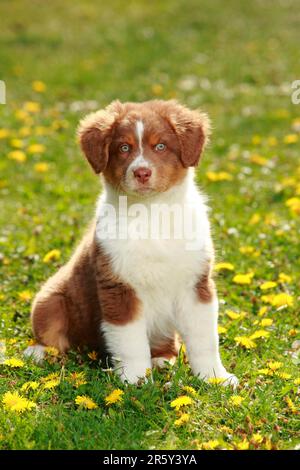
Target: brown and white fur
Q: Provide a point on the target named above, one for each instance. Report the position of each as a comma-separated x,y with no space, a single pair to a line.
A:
129,296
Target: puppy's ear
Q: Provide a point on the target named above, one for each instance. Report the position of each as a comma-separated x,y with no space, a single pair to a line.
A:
95,131
192,128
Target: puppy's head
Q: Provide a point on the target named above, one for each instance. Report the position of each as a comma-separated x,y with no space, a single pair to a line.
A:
143,148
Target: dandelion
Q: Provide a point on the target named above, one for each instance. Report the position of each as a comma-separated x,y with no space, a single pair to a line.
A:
293,332
291,404
243,278
243,445
283,375
294,205
245,341
184,418
50,384
210,445
41,167
218,176
221,329
33,385
15,402
256,139
51,255
262,311
36,148
236,400
284,278
52,376
258,160
32,107
77,379
255,219
297,381
290,139
4,133
275,365
18,156
24,131
156,89
268,285
260,334
25,295
246,250
52,351
114,397
265,371
257,438
14,362
224,267
190,390
183,400
266,322
282,300
272,141
216,380
93,355
235,316
85,402
17,143
38,86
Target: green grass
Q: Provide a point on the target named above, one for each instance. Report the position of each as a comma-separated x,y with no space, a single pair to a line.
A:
237,61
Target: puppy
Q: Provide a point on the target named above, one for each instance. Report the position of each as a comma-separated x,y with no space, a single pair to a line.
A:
137,279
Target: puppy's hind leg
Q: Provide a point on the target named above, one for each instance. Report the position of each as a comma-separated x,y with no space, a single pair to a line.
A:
50,325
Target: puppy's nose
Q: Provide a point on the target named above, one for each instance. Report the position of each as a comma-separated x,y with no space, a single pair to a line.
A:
142,174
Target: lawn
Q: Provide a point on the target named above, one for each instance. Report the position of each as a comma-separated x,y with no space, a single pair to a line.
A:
236,60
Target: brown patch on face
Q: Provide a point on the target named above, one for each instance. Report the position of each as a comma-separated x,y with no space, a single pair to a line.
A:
205,287
167,349
119,302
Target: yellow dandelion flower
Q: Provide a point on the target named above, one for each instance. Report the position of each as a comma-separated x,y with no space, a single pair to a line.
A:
184,418
52,351
236,400
24,131
14,362
297,381
77,379
210,445
235,316
282,299
190,390
224,266
216,380
247,250
284,375
243,278
221,329
260,334
18,156
183,400
85,402
258,159
272,141
50,384
243,445
255,219
38,86
33,385
265,371
257,438
114,397
245,341
17,143
291,404
256,139
266,322
262,311
268,285
93,355
51,255
52,376
156,89
32,107
4,133
15,402
294,205
293,332
268,299
36,148
275,365
290,139
284,278
41,167
25,295
21,115
218,176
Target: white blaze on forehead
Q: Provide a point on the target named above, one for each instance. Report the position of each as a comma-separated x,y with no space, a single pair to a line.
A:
139,127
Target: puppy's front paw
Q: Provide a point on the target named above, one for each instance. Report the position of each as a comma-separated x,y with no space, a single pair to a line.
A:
211,373
36,353
133,373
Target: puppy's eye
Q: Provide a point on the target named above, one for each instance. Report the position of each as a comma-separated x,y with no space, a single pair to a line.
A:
124,148
160,147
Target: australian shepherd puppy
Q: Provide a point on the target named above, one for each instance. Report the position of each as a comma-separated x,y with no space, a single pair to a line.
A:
142,273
